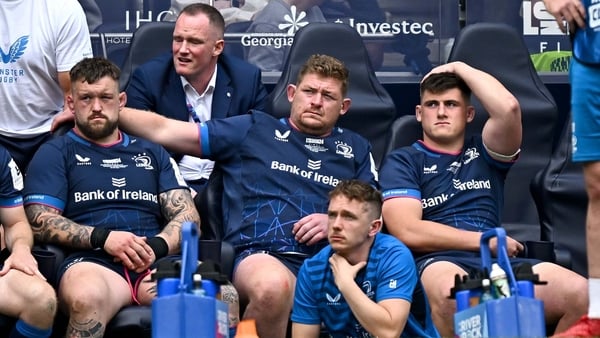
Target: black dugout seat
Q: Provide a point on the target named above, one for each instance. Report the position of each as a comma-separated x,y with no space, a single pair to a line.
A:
149,40
561,200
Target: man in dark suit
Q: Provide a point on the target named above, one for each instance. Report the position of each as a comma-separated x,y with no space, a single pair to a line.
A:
197,82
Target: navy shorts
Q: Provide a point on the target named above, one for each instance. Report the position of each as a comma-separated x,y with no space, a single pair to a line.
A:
104,259
468,261
292,261
22,150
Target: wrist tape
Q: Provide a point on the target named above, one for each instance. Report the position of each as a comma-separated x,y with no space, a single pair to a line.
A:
159,246
98,237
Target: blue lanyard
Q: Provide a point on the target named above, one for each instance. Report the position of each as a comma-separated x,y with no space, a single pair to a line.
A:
192,112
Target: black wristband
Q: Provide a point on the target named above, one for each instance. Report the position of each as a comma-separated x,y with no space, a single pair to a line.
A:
98,237
159,246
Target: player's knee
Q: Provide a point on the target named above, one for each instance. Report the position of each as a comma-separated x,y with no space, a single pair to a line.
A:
83,299
41,299
274,292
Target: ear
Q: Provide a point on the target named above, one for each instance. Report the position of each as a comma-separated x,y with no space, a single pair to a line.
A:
346,103
418,112
375,227
122,100
470,113
218,49
71,103
291,92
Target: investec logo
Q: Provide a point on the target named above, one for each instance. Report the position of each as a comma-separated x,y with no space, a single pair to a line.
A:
296,21
308,174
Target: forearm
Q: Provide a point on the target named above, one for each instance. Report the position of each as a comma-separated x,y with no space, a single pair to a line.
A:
305,330
19,234
179,136
495,98
50,227
427,236
404,220
177,207
376,319
142,123
64,80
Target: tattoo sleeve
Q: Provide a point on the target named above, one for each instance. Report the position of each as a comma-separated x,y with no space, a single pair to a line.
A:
49,226
177,206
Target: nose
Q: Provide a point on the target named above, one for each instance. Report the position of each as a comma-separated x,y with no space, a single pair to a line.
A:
183,48
316,99
336,223
96,105
441,111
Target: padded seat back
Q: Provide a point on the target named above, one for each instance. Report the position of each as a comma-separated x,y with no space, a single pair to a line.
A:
148,41
372,111
561,200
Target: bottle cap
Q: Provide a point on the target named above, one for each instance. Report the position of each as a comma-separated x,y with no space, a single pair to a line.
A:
246,329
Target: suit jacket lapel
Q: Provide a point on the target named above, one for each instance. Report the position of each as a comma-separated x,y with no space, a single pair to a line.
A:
174,96
222,95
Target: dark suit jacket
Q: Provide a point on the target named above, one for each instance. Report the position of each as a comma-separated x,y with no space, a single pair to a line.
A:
156,86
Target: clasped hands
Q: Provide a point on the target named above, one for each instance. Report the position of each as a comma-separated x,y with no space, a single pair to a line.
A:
130,249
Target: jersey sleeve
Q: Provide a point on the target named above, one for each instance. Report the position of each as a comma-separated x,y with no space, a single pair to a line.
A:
398,176
169,176
220,138
11,182
73,40
46,182
397,275
367,171
305,309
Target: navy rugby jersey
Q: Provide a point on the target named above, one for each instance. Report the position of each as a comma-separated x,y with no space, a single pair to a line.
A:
274,175
115,187
390,273
464,190
11,181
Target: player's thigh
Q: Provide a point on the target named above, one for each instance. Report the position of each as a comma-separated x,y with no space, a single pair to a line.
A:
438,278
262,273
19,290
91,282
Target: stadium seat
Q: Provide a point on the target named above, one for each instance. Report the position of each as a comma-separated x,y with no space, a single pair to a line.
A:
209,204
233,45
559,194
372,110
149,40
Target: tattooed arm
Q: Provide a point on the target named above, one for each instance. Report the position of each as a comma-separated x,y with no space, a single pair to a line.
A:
49,226
177,207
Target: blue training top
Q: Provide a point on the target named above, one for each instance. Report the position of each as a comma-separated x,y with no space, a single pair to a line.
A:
390,273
